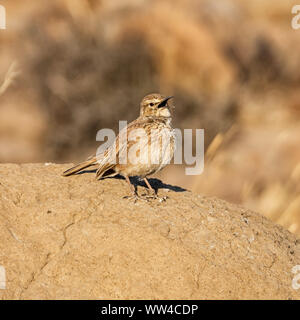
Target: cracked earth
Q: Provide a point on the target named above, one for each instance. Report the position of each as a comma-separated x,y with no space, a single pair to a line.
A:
77,238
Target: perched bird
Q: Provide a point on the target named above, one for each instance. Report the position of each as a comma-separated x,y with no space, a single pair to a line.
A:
142,148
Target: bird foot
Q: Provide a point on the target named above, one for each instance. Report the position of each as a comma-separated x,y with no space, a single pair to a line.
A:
162,199
154,196
135,198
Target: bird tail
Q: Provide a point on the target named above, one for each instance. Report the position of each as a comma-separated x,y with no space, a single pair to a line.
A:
106,171
85,164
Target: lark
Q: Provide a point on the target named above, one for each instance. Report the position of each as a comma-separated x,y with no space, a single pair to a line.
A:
142,148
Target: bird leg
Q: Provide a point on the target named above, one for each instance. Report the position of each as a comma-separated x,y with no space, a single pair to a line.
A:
153,195
131,186
149,186
133,191
136,197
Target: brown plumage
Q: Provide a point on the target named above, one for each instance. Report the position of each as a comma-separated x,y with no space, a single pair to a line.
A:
149,139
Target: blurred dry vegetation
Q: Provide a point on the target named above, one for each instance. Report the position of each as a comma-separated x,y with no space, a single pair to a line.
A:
70,68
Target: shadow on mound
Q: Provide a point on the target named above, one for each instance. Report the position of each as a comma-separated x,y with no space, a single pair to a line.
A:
136,181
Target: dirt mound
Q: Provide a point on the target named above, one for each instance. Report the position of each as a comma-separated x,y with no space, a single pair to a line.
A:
75,237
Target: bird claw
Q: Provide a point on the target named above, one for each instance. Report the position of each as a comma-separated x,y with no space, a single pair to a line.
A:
146,198
135,198
155,197
162,199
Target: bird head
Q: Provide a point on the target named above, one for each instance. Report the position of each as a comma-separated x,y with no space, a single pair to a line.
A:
155,105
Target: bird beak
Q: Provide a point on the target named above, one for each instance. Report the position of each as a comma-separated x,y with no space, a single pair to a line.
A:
164,102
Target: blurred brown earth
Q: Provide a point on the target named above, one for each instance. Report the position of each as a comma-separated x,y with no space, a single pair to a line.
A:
233,67
76,238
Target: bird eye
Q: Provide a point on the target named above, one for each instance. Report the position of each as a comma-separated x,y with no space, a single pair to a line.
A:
151,104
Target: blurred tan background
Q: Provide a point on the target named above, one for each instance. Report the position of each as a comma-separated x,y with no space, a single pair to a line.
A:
69,68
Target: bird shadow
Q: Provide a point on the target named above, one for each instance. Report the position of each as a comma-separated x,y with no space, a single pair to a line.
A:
155,183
